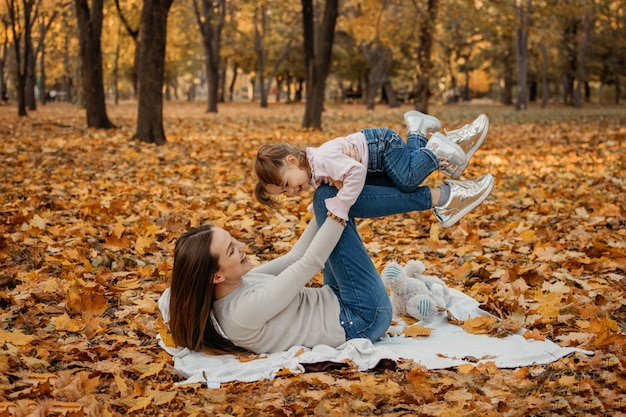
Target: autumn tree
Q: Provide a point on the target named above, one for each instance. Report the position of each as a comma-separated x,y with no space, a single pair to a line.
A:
379,59
318,44
89,33
20,20
581,53
211,16
4,49
133,31
426,34
273,25
522,9
153,37
44,22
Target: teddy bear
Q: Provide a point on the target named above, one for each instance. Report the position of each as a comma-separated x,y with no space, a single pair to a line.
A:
413,293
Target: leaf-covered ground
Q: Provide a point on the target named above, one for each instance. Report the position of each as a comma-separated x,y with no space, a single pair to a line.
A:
89,219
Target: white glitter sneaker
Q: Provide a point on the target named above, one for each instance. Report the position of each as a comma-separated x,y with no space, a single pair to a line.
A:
447,152
425,124
465,196
469,138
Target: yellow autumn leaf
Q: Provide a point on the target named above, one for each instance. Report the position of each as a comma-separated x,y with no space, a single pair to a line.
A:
65,323
478,324
417,331
149,370
17,337
142,243
528,236
136,404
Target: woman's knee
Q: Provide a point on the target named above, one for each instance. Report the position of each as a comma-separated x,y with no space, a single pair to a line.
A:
323,192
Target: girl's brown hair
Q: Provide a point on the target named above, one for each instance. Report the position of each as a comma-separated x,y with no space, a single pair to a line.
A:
192,293
268,166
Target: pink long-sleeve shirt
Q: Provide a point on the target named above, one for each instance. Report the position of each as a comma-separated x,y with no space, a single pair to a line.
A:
328,163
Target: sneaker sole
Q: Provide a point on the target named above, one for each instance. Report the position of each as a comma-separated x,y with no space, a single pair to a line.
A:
461,168
453,220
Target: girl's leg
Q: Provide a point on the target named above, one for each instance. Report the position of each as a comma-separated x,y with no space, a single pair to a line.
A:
378,201
405,167
365,305
415,141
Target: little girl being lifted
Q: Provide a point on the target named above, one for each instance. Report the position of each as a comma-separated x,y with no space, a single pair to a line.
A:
379,156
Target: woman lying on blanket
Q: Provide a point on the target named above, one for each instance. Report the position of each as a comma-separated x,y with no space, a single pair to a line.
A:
218,301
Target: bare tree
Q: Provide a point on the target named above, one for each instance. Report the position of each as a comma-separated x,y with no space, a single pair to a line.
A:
152,39
318,45
89,33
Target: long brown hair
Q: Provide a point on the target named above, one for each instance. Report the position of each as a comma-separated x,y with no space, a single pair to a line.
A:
268,166
192,293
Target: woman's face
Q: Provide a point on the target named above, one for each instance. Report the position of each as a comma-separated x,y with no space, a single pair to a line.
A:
231,255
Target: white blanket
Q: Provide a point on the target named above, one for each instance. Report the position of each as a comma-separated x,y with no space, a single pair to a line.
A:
447,346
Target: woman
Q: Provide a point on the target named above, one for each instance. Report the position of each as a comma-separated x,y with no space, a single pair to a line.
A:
219,301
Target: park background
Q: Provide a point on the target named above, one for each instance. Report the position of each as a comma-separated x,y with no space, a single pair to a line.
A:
91,205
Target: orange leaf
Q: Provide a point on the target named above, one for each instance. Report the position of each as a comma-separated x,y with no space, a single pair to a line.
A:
534,334
417,331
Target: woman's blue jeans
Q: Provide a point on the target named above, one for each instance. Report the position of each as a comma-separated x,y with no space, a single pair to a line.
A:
407,166
365,305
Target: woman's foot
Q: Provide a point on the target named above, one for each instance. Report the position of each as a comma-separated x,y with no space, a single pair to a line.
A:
465,196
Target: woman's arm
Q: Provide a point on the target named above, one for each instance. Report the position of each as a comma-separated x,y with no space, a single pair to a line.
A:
277,293
278,265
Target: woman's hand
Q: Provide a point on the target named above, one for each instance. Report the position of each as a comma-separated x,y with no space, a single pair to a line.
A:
353,153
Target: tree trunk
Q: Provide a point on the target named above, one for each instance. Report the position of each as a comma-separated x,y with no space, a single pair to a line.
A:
521,54
151,69
259,46
134,34
424,61
545,88
116,68
21,38
580,58
390,93
272,74
318,46
3,56
89,33
233,82
211,21
31,80
42,89
379,59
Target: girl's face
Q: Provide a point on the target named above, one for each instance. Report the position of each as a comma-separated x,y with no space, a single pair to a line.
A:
294,179
231,255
